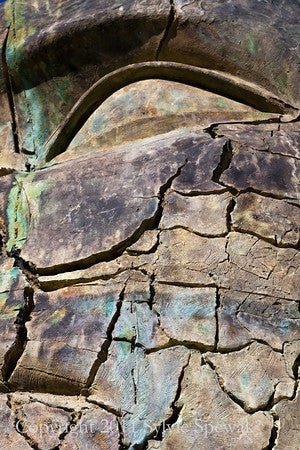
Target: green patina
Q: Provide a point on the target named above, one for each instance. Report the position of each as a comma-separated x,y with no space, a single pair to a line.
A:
19,214
245,379
251,45
43,114
58,316
33,101
18,217
7,311
8,278
126,331
109,305
125,348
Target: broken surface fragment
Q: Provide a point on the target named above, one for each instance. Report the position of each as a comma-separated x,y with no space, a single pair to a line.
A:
288,434
261,171
43,425
244,317
252,374
10,439
205,214
66,332
106,201
260,268
185,258
272,219
187,314
208,418
96,428
12,302
132,382
151,107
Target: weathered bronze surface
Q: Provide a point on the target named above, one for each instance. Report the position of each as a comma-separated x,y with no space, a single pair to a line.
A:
149,224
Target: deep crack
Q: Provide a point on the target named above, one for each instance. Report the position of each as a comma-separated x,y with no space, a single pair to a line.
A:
274,432
16,350
224,163
167,30
9,91
103,354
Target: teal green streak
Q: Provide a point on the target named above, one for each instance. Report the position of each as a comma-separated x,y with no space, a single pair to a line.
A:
251,45
18,217
245,378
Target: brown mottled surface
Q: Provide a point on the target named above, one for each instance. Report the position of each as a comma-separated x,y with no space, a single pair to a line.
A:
149,225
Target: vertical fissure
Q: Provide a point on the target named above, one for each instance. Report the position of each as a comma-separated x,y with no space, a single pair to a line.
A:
9,92
15,352
167,30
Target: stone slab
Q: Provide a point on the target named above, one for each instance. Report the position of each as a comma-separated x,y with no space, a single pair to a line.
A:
275,220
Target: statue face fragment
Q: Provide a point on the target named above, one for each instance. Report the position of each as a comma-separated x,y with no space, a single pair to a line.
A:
150,219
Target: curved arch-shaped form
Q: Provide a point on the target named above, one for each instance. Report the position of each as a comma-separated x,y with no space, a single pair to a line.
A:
214,81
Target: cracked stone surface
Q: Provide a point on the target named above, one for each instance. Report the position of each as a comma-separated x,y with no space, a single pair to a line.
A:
244,317
275,220
208,418
241,371
288,415
149,225
53,336
279,177
9,437
96,428
33,417
129,377
211,214
12,284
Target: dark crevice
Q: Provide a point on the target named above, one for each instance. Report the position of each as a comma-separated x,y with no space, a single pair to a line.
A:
162,192
15,352
54,285
75,417
134,387
121,444
107,408
167,30
225,161
274,432
295,367
205,235
259,192
202,193
103,354
212,130
18,425
21,430
158,434
217,317
191,345
221,384
27,268
152,291
9,91
187,284
147,252
271,241
229,211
